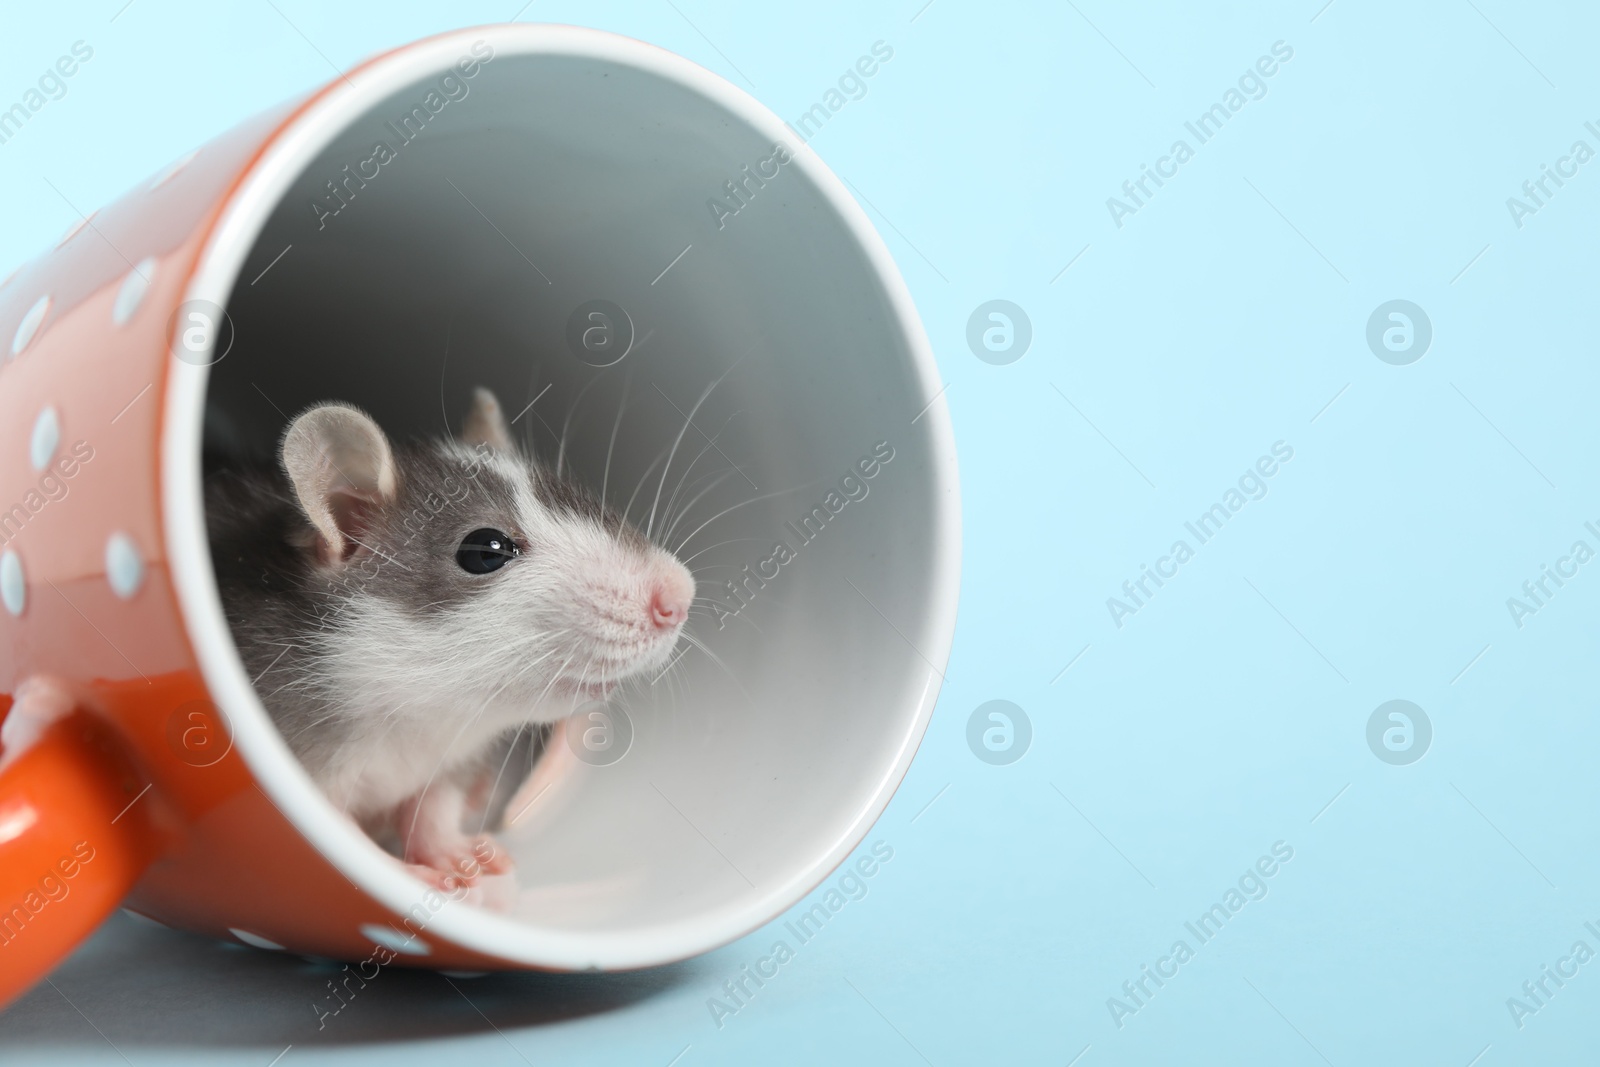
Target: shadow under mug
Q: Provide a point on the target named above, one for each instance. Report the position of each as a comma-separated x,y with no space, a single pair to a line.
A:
608,236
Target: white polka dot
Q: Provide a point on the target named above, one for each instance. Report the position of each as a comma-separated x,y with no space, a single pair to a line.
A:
76,226
131,294
13,586
124,567
394,940
46,436
29,326
254,939
143,918
167,175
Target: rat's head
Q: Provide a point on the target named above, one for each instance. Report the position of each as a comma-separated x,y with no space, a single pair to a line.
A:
470,572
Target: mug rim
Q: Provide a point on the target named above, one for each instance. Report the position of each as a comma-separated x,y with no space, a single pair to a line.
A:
231,233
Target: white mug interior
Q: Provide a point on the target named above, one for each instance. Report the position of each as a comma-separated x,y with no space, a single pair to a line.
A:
576,167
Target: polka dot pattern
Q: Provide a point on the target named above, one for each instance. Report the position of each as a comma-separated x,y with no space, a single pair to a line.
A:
254,940
13,585
171,172
45,440
124,565
143,918
77,227
131,293
394,940
28,328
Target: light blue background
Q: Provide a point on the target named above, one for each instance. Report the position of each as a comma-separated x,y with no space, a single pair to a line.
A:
1225,716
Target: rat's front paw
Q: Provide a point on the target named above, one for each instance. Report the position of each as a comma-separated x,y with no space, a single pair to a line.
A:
443,881
491,856
449,854
464,859
430,826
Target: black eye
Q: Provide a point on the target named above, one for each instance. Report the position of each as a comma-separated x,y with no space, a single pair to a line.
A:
485,550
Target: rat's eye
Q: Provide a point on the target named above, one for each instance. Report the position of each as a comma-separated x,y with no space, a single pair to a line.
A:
486,550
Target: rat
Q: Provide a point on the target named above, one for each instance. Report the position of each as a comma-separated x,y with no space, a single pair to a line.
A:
414,616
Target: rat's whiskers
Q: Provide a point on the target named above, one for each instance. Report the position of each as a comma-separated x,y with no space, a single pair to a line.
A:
711,443
666,534
719,544
645,478
755,499
566,424
687,420
605,478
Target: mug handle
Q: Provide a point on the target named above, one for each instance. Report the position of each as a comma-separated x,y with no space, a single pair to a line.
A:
76,832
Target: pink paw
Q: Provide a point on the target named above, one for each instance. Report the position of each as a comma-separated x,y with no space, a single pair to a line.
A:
491,857
443,881
460,859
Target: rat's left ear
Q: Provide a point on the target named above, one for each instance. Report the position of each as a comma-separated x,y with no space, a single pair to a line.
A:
486,423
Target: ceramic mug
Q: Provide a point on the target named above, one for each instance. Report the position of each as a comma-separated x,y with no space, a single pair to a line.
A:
601,232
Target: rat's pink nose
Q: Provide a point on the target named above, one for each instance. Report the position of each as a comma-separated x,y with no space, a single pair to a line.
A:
668,609
669,604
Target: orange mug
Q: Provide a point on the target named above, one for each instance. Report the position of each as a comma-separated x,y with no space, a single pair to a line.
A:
478,207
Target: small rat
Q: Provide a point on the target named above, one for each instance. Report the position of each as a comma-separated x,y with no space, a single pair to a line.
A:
411,616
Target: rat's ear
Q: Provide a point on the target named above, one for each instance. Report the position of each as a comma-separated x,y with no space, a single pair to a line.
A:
486,423
341,467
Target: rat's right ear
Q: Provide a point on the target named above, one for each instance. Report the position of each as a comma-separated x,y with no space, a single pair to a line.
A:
341,467
486,423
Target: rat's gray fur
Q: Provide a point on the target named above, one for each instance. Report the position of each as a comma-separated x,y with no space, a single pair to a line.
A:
393,668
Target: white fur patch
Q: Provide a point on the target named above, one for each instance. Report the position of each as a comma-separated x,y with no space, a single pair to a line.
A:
430,693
